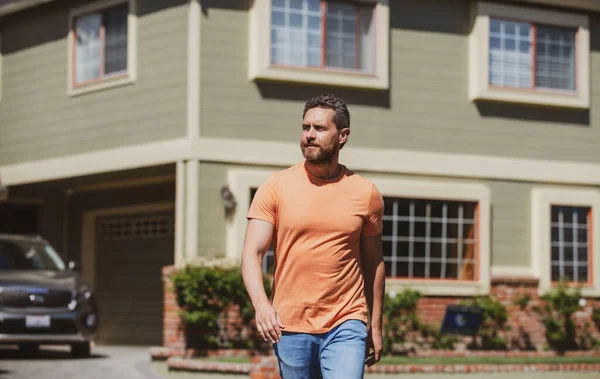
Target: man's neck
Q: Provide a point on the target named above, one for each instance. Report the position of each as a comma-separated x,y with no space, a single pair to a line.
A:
325,171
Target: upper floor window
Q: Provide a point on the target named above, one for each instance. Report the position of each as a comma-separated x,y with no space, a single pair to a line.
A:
102,45
430,239
529,55
342,42
323,34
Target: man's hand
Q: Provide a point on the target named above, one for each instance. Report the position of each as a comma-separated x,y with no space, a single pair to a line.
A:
374,347
268,323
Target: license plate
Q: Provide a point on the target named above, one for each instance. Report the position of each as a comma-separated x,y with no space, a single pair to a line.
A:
37,321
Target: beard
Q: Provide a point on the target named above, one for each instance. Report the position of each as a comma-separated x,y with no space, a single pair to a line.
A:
318,154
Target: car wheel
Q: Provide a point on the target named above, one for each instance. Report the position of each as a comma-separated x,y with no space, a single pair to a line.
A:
81,350
29,350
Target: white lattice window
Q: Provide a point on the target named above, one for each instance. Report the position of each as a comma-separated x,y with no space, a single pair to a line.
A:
102,45
571,243
565,223
430,239
529,55
320,41
139,227
436,236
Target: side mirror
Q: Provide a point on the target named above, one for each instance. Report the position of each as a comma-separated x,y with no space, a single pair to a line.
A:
73,266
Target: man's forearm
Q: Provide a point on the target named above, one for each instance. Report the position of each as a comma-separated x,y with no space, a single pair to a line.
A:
253,279
378,291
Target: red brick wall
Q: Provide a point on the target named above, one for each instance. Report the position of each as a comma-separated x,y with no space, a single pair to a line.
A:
173,327
527,332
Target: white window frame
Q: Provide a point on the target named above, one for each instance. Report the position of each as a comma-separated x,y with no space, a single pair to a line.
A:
541,200
260,68
242,180
479,57
442,190
131,75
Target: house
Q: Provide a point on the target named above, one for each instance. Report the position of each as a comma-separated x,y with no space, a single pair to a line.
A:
122,123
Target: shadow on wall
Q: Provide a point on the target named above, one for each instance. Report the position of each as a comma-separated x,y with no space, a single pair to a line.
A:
432,16
534,113
239,5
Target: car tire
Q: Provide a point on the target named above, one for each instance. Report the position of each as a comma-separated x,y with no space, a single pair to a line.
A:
81,350
29,349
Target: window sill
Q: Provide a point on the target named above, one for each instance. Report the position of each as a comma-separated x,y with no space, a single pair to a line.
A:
439,287
338,78
100,86
546,98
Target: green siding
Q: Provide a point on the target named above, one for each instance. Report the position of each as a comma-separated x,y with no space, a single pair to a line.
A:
427,107
38,120
212,223
509,230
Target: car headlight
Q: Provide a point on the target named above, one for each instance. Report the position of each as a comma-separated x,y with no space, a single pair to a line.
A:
83,294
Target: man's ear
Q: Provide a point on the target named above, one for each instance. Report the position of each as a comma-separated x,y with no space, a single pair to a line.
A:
344,134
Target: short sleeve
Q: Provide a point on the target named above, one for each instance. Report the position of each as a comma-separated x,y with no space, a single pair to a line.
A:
374,220
264,204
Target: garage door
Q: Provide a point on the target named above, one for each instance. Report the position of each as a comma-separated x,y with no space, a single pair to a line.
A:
130,253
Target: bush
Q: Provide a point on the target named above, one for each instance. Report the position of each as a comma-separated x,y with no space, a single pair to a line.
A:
562,333
204,293
402,324
494,323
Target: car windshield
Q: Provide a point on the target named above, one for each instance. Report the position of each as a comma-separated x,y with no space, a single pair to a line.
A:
29,255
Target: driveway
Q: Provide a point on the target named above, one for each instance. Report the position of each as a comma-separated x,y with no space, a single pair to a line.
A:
121,362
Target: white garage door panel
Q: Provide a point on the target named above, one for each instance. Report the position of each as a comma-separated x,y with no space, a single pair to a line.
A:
131,251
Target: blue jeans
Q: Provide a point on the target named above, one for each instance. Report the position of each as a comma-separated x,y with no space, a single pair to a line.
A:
337,354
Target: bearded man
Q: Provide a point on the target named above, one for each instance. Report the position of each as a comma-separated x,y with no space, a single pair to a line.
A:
325,316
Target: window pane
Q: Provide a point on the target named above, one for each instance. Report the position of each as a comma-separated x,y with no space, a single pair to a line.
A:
436,239
342,35
570,255
296,33
116,40
87,47
555,58
510,55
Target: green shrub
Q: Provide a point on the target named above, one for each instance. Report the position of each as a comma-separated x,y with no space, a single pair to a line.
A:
204,293
494,323
556,314
400,314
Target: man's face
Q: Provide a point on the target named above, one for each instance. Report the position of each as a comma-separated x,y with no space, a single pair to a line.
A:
320,137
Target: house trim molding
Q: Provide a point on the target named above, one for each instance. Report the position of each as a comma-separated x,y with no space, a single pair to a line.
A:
282,154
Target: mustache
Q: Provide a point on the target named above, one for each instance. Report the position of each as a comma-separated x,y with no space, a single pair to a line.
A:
310,145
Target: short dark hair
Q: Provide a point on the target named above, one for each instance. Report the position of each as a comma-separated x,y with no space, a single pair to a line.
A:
341,117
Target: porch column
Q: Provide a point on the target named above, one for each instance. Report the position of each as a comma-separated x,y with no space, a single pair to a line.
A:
180,200
192,209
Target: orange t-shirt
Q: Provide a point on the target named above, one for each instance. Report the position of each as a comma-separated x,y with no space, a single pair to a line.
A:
318,281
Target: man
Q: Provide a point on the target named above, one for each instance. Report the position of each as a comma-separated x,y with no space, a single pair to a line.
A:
325,222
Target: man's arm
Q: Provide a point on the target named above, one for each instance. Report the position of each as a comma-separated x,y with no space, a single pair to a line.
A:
256,243
374,274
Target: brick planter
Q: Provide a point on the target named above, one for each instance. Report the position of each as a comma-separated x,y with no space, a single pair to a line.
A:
266,368
527,332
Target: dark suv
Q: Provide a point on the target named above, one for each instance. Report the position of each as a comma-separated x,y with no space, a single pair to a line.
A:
42,300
